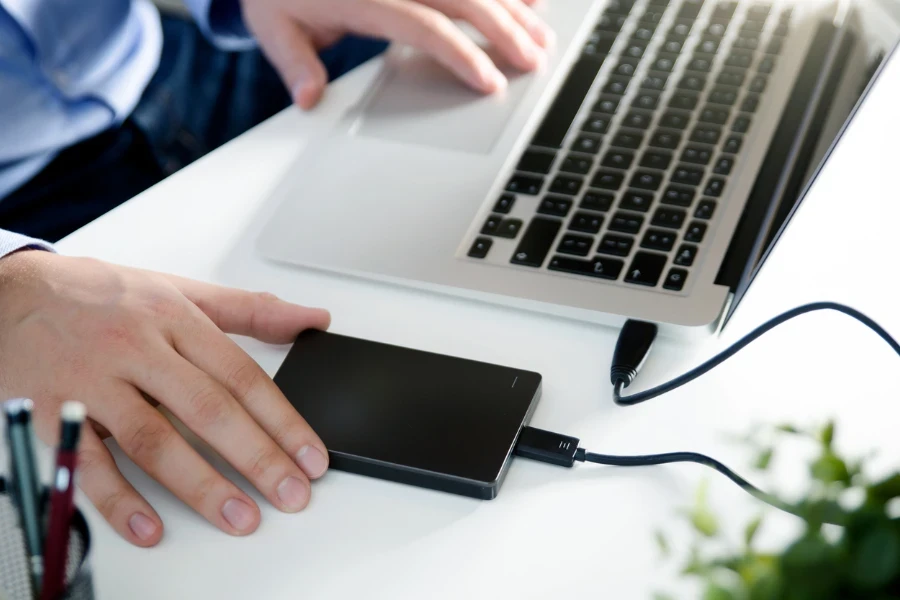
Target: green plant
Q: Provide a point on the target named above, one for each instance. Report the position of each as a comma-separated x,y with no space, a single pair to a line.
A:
860,558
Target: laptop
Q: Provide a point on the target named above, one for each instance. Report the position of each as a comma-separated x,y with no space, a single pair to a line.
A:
642,174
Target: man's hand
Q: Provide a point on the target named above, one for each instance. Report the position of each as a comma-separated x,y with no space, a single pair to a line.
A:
291,31
121,340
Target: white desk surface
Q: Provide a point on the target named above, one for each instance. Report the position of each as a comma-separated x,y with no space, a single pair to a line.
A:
586,532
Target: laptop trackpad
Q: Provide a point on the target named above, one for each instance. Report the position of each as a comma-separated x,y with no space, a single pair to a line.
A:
418,101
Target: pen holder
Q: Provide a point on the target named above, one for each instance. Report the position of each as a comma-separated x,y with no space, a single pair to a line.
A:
15,576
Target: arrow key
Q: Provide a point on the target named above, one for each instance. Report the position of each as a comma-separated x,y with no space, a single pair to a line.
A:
646,269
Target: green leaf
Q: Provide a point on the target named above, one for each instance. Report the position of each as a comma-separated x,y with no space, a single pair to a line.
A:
717,592
751,530
705,522
877,559
763,459
662,596
827,434
788,428
662,542
885,490
829,468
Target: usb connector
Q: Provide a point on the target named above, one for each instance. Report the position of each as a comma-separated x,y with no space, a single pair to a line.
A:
546,446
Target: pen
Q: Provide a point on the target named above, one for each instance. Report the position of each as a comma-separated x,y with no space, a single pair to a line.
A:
24,478
57,545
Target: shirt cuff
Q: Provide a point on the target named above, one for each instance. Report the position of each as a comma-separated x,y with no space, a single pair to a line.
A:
11,242
222,23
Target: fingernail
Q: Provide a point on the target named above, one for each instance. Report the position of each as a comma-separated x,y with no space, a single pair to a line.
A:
293,493
545,35
534,54
312,461
142,526
239,514
492,79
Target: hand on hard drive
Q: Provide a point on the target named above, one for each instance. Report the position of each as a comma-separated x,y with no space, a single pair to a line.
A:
121,340
291,31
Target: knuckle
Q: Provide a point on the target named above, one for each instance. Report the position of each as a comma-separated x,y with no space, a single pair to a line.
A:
145,441
161,306
283,429
202,489
261,462
243,379
109,503
207,406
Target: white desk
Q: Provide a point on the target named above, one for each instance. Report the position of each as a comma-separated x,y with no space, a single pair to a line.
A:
582,533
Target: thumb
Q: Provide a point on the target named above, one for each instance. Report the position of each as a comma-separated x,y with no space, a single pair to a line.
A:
291,51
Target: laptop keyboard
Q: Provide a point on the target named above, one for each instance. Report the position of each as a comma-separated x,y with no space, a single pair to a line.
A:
628,185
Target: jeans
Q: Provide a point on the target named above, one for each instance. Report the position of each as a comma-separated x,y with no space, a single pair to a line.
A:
199,98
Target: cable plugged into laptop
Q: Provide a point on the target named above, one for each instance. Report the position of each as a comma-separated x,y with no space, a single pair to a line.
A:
632,349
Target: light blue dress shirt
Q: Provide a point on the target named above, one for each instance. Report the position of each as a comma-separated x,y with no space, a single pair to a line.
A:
71,68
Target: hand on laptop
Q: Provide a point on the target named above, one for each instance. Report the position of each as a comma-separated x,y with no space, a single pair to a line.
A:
121,340
291,31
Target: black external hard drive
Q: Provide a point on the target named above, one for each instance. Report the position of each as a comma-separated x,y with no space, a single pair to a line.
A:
409,416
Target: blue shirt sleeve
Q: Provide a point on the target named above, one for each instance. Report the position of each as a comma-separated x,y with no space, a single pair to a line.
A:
11,242
222,23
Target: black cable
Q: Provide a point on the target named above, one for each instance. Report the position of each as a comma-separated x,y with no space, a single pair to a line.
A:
620,382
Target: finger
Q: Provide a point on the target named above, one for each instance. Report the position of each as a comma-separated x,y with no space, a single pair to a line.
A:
212,352
260,315
498,26
522,12
119,503
152,443
213,414
291,52
430,31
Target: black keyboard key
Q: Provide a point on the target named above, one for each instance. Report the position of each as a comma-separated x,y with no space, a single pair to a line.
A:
654,81
695,83
690,9
635,48
563,184
536,162
657,239
684,101
723,95
626,67
673,44
705,210
758,12
646,180
638,120
686,255
646,269
752,27
674,119
535,244
758,84
598,201
725,10
598,46
596,124
636,201
675,280
739,58
733,77
733,144
681,27
666,139
618,159
607,105
480,247
714,114
610,22
626,223
714,187
664,62
717,29
608,180
724,165
746,43
644,32
654,159
628,140
555,205
525,184
706,134
678,196
741,124
504,204
617,245
686,175
559,118
619,7
646,100
700,63
586,222
600,267
509,228
697,155
588,144
672,218
766,65
695,232
576,164
652,16
492,224
709,45
781,30
750,103
578,245
616,86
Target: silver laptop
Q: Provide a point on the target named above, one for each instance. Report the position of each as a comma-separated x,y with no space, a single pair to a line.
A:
643,174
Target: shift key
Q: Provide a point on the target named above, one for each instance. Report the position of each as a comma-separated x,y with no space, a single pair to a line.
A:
536,242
